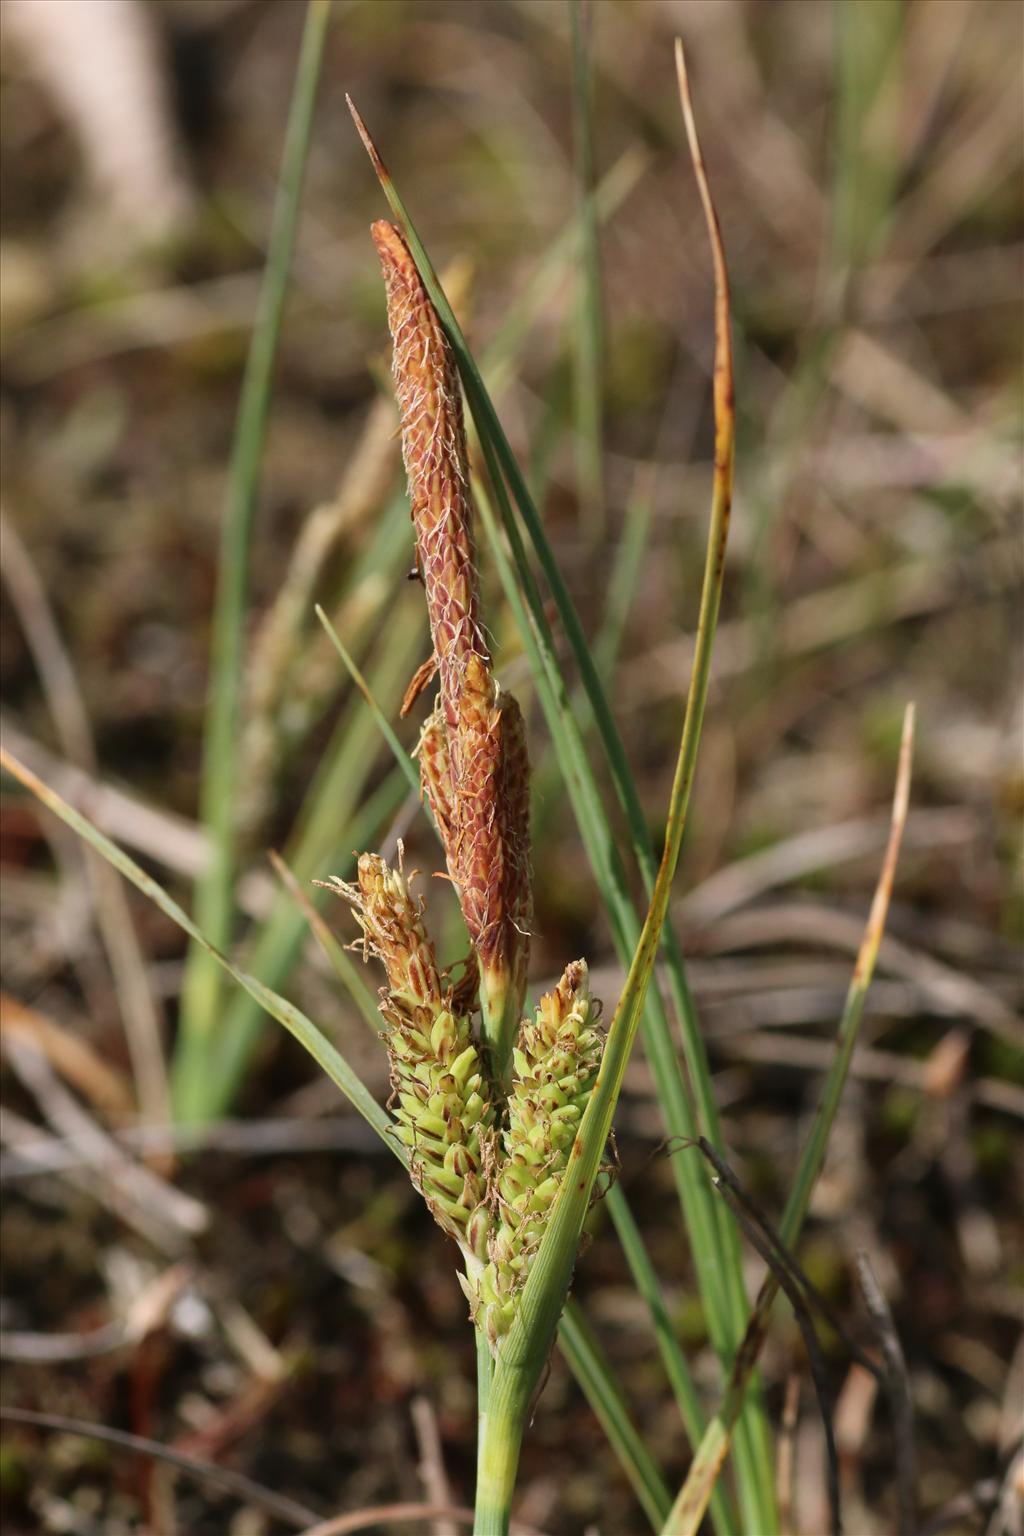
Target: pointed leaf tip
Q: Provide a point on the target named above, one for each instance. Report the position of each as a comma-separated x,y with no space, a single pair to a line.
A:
381,169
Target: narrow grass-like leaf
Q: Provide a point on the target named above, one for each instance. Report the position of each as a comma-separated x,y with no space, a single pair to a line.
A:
574,765
758,1230
713,1238
333,796
294,1020
868,38
597,1379
201,1091
609,195
348,972
817,1143
623,579
713,1235
214,896
380,719
648,1287
689,1507
588,335
695,1192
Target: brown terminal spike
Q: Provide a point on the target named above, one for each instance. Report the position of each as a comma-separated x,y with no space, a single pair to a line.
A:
434,451
473,763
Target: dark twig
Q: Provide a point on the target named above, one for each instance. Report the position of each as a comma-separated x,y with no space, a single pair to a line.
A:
897,1386
785,1259
287,1510
815,1360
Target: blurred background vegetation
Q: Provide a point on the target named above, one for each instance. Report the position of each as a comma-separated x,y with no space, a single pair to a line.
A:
866,160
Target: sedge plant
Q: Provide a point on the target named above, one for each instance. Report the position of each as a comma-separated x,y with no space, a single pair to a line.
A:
502,1116
507,1153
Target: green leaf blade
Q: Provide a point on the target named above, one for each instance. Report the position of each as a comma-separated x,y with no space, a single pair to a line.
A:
214,896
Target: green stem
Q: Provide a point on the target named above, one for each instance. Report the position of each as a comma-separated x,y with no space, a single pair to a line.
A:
501,1436
484,1372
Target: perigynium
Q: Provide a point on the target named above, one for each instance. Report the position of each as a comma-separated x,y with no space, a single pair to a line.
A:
487,1103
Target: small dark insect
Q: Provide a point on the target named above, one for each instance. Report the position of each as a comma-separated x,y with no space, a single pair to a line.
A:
415,574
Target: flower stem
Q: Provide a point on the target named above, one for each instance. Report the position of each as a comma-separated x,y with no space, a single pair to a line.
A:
484,1372
501,1436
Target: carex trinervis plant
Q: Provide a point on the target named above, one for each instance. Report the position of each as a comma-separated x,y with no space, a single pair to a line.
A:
526,1128
489,1124
502,1118
505,1130
502,1124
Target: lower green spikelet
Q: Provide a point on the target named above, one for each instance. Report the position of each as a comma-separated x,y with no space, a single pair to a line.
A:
444,1107
555,1067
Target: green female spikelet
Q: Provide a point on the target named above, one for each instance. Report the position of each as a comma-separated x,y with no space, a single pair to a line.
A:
443,1107
555,1066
